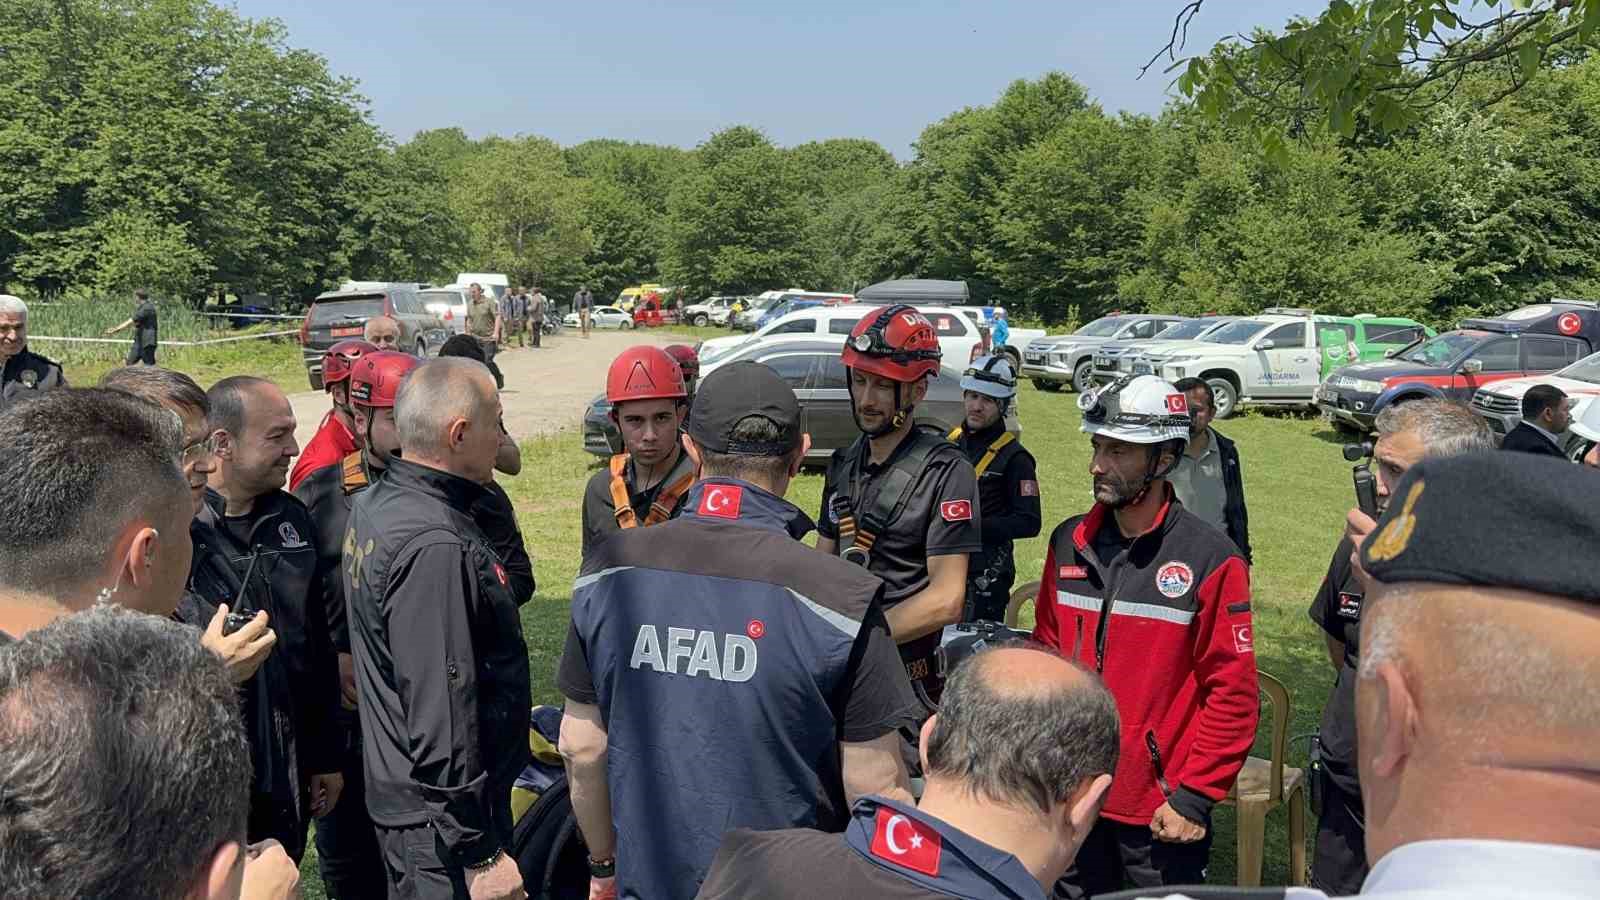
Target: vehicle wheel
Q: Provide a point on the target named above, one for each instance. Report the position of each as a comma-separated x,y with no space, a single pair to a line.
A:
1081,380
627,324
315,379
1227,395
1044,385
1015,357
701,320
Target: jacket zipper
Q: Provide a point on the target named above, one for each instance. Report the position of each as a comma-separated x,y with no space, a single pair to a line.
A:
1077,642
1155,762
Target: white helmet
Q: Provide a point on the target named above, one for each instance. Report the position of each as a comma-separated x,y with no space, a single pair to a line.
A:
1587,424
1139,410
991,376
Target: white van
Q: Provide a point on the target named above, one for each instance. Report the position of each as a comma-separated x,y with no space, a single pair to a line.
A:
493,283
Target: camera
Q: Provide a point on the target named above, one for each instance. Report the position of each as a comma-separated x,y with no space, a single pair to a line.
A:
1366,484
1358,452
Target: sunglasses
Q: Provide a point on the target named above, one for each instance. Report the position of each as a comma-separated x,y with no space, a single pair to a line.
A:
193,453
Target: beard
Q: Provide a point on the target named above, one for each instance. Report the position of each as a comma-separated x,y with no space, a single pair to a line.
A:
1115,491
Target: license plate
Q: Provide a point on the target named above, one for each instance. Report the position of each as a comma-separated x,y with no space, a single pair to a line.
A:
1141,369
1033,357
345,332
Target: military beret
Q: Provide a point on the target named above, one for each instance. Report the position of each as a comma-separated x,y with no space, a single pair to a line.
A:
1492,519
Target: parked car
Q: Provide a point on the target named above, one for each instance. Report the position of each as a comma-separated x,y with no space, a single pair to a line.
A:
1500,404
751,319
1114,359
1533,340
958,334
812,366
710,311
1051,362
338,316
449,303
601,317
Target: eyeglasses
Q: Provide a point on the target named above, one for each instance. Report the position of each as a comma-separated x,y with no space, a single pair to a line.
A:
206,446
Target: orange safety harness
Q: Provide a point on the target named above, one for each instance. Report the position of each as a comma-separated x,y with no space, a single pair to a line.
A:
660,509
354,474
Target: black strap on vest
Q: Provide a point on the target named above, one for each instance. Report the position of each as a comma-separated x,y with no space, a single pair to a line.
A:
860,522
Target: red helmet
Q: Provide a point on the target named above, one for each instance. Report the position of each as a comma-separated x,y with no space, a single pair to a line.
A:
898,343
644,373
376,378
688,360
338,360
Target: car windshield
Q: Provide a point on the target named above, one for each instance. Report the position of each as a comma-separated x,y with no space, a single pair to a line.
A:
1586,369
1183,331
1239,332
336,312
1104,327
1441,350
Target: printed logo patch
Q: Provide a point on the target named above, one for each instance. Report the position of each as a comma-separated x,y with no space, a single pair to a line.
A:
1569,323
906,842
290,538
1243,639
956,510
757,629
722,501
1076,573
1177,403
1349,605
1174,579
1027,488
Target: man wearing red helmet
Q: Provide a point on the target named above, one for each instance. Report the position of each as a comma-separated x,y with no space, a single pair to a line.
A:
347,847
646,483
335,437
689,363
902,500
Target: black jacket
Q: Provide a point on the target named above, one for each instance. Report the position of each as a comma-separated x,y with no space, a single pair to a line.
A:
1234,511
441,665
291,703
26,375
1525,439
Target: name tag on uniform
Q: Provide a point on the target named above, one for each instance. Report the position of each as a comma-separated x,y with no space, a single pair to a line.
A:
1349,605
1077,573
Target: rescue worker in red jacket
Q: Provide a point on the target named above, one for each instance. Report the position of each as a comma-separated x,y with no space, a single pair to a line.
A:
646,483
336,436
1158,602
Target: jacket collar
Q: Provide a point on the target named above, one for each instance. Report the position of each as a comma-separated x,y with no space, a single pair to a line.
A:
22,359
453,490
214,509
733,498
1090,525
933,854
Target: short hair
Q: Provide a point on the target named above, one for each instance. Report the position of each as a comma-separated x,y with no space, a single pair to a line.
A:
123,759
227,402
759,469
1539,398
1022,744
1445,427
431,395
465,346
163,387
1185,385
142,294
367,328
14,306
80,465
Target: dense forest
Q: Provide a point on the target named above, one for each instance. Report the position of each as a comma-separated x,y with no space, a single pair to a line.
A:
175,145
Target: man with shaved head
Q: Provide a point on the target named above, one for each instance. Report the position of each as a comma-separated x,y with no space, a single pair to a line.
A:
1018,761
441,665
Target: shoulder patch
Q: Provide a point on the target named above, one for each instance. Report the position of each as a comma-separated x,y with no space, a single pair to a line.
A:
905,842
1174,579
956,510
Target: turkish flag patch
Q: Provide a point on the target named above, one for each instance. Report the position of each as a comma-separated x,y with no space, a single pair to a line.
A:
721,500
1177,403
1027,488
956,510
1243,639
1074,573
500,573
904,841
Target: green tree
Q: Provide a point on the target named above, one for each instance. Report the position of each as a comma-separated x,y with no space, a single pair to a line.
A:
523,212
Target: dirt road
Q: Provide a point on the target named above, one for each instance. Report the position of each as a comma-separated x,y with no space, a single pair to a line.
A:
546,390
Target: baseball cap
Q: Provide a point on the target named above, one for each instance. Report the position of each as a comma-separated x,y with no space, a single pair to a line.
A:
736,391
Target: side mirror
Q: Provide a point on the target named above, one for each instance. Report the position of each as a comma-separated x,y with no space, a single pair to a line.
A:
1472,366
1267,344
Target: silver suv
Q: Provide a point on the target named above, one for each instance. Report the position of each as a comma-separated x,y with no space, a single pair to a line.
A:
1068,358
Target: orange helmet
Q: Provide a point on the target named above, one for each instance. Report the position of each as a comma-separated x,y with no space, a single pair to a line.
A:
377,376
688,360
898,343
644,373
338,360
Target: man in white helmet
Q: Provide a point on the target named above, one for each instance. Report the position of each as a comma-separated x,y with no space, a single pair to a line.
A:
1008,485
1157,602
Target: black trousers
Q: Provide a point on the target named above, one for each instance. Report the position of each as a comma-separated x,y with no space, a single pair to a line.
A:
490,349
418,864
272,816
1115,853
145,354
347,842
1339,858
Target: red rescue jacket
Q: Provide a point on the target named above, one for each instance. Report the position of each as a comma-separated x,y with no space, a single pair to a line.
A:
331,444
1167,624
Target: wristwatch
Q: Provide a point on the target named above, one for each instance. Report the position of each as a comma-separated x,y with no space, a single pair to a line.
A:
602,868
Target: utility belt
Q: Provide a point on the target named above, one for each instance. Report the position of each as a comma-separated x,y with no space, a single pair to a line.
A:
660,509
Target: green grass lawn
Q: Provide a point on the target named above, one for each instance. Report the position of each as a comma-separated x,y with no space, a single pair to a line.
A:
1298,488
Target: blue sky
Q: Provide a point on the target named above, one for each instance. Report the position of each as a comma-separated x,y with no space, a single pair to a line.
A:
673,73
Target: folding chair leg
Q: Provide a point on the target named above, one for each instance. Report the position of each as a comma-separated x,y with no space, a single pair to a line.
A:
1252,823
1297,837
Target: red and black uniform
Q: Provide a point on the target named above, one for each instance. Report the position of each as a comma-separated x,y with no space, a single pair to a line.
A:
329,446
1164,617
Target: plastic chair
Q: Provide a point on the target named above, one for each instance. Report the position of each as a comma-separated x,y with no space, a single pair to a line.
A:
1021,595
1263,786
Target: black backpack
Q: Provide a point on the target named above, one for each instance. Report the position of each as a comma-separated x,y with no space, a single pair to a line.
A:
545,841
